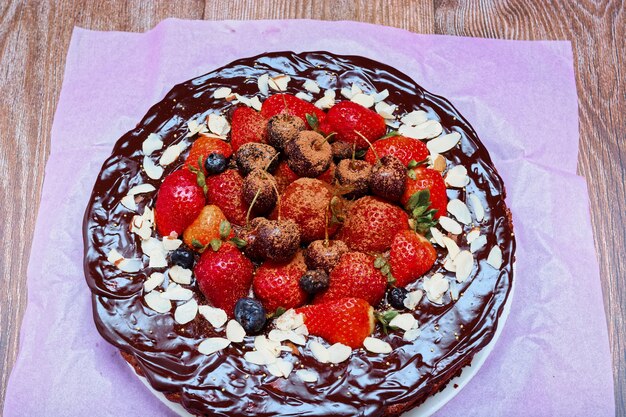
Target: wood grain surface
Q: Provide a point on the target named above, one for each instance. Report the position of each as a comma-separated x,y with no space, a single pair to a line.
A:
34,37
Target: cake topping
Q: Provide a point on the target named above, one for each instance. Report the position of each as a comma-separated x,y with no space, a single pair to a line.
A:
436,286
251,156
235,332
376,345
457,177
250,314
444,143
153,171
308,155
283,128
179,275
157,302
186,312
495,257
353,175
276,240
260,191
315,281
216,316
477,206
459,210
450,225
152,143
324,254
212,345
388,178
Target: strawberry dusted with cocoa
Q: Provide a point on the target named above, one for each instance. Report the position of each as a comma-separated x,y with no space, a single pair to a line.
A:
348,321
355,276
411,256
371,224
204,228
204,146
292,105
354,124
247,125
427,179
403,148
225,190
276,240
278,284
179,201
309,155
224,276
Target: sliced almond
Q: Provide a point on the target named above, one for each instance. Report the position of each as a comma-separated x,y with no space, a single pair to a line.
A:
459,210
411,335
151,169
213,345
380,96
156,302
279,82
346,92
412,299
457,177
311,86
453,248
222,92
385,110
320,353
414,118
195,127
404,321
234,332
262,343
304,96
152,143
171,243
478,243
495,257
472,235
306,375
338,353
180,275
216,316
448,264
376,345
464,263
439,163
450,225
444,142
171,154
155,279
177,293
186,312
364,100
255,103
477,207
427,130
218,124
437,236
436,286
262,83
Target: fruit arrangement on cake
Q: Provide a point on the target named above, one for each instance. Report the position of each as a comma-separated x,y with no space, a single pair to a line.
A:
299,234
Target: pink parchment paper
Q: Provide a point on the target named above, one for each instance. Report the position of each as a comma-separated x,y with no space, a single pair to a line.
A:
553,356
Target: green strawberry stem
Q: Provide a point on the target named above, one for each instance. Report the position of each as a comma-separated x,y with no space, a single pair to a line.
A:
392,133
385,317
418,207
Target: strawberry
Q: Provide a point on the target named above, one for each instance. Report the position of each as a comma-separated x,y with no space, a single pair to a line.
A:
225,190
403,148
371,225
290,104
328,175
412,255
306,201
284,176
204,228
347,118
355,276
276,284
427,179
224,276
203,147
247,125
348,321
178,203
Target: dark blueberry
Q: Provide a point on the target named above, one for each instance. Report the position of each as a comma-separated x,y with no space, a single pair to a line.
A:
314,281
182,257
250,314
396,296
215,163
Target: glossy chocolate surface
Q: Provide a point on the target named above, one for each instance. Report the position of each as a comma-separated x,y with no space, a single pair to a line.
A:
223,384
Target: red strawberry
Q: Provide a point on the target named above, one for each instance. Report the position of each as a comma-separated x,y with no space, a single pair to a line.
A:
204,228
284,176
355,276
224,276
412,255
348,321
203,147
305,201
426,178
347,118
225,190
290,104
328,175
403,148
276,284
247,125
178,203
371,225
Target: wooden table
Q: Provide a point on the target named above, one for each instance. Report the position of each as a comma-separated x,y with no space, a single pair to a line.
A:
34,37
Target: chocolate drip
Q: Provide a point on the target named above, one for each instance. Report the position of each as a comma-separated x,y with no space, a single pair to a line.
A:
223,384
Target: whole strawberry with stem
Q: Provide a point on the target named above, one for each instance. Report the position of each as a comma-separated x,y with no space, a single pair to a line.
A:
179,201
277,284
403,148
356,124
422,178
247,125
348,321
411,256
224,276
355,276
371,224
225,190
204,146
205,228
291,105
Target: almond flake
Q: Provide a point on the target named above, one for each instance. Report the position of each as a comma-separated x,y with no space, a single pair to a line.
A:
306,375
380,96
411,335
426,130
376,345
364,100
263,344
289,320
130,265
404,321
218,124
495,257
435,287
303,330
171,243
320,353
243,100
439,162
212,345
338,353
327,101
155,279
478,243
156,302
444,142
222,92
346,92
152,143
195,128
281,368
459,210
151,169
141,227
437,236
457,177
180,275
477,206
464,263
454,293
216,316
392,123
412,299
234,332
157,260
385,110
453,248
186,312
279,82
448,264
311,86
255,103
260,357
177,293
472,235
355,89
416,117
304,96
278,335
263,85
450,225
171,154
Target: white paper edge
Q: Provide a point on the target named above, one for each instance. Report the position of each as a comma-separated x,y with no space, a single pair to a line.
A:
428,407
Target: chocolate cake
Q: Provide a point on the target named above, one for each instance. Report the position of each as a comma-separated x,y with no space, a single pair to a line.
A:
147,305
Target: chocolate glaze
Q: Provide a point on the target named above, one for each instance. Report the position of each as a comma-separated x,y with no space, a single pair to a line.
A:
216,385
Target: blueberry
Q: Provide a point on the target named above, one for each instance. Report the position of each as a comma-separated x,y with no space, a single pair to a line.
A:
215,163
396,297
250,314
182,257
314,281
